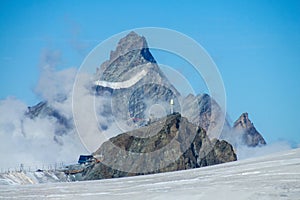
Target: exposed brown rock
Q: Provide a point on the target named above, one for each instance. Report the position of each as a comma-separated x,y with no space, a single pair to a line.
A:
191,148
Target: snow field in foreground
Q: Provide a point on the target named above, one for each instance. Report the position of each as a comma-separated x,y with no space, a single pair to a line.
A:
275,176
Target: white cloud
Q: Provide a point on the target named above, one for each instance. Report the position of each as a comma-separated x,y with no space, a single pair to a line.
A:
245,152
34,140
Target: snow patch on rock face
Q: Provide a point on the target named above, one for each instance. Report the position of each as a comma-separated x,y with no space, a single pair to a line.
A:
122,84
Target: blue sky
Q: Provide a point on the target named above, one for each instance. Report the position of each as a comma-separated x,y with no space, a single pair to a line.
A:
255,45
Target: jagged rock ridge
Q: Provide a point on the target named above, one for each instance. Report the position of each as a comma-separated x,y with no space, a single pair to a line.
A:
44,110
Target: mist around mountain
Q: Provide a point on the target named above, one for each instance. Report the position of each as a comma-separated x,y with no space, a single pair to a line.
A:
131,57
139,84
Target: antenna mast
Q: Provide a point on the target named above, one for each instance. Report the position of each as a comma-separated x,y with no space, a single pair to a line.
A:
171,105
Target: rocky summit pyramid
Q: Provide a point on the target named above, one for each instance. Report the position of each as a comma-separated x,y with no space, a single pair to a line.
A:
136,81
246,130
138,91
132,51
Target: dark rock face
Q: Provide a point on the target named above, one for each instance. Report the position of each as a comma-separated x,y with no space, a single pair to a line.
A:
131,52
250,136
192,149
133,44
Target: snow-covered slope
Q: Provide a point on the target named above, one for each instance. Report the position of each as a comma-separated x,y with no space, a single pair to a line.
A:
274,176
22,178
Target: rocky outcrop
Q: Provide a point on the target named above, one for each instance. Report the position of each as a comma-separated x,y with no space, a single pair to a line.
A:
189,148
245,129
